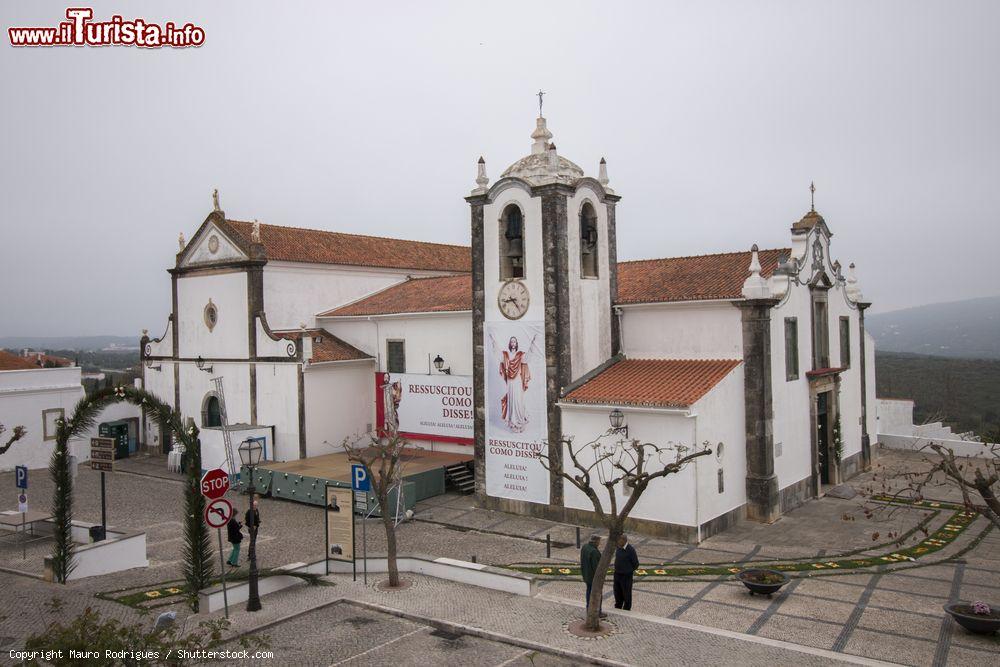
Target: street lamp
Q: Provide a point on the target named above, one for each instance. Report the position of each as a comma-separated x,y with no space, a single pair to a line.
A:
250,451
200,363
617,419
439,364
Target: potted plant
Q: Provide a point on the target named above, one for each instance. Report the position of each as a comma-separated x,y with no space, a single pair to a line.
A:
764,582
977,617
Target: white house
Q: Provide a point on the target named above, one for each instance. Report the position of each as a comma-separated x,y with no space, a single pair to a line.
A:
532,336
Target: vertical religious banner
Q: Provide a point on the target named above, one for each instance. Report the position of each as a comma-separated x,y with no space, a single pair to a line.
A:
516,416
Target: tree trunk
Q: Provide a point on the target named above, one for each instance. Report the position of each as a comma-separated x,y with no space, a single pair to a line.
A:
390,540
597,587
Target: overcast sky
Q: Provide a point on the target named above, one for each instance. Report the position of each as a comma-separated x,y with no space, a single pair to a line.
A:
369,117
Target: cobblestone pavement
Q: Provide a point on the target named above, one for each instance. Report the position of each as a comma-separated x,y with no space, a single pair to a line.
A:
357,636
894,616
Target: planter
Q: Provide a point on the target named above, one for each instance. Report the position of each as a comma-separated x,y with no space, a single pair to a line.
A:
761,581
981,624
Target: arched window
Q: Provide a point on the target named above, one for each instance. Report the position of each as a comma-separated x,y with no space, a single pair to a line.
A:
511,243
588,241
211,412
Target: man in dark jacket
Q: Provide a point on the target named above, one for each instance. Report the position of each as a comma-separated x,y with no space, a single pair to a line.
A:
235,536
590,557
626,563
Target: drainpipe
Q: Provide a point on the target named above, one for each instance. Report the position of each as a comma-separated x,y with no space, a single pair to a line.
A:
621,330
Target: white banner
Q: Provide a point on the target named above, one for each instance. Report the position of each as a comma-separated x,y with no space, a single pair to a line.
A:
426,405
516,417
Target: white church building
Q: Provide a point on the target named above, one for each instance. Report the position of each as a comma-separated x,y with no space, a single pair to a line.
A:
533,335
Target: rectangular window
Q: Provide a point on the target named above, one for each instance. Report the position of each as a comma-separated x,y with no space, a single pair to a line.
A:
821,332
845,341
395,356
791,348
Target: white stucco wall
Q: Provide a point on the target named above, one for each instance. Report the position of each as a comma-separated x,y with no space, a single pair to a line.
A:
340,403
295,292
426,336
721,419
278,406
671,499
589,298
705,330
24,395
228,339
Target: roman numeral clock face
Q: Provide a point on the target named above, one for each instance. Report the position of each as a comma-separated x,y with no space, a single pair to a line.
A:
513,299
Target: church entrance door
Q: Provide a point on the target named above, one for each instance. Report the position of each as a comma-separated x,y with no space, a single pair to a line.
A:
823,436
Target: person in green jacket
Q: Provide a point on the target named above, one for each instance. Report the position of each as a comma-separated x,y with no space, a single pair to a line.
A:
590,557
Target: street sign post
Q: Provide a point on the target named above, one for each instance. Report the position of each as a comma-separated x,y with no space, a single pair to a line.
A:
21,477
22,503
22,507
217,514
359,478
102,457
215,483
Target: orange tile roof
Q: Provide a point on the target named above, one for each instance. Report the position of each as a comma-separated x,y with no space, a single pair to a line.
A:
695,278
416,295
665,383
330,348
294,244
13,362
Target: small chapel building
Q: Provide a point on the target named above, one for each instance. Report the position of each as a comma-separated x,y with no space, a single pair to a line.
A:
534,335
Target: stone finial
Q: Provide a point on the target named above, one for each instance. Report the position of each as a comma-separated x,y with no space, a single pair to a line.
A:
837,270
602,172
755,286
541,137
482,180
553,158
853,291
180,240
255,231
145,332
215,200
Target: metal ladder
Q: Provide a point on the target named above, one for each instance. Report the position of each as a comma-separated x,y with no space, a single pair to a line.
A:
226,442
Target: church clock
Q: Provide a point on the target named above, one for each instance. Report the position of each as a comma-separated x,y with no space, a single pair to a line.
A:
513,299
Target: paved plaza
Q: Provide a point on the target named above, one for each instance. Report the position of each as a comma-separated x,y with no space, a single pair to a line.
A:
892,612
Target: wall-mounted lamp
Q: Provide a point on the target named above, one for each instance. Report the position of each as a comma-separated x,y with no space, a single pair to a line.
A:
150,366
439,364
618,425
200,363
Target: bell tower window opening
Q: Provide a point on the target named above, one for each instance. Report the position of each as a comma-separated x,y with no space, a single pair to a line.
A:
511,243
588,242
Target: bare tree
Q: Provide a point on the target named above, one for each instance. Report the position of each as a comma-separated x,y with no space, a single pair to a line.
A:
617,464
15,435
976,478
382,458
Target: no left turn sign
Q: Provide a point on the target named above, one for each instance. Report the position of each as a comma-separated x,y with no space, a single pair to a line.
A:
218,512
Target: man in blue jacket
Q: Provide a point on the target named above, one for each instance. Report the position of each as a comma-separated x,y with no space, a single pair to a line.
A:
626,563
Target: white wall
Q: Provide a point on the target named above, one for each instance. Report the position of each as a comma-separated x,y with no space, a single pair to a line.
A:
426,336
228,339
294,292
710,330
278,406
671,499
590,298
340,403
721,418
161,384
24,394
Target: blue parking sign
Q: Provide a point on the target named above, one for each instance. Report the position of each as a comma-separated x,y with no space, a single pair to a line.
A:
21,477
359,478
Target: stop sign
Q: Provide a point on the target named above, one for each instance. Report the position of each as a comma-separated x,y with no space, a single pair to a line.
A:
214,484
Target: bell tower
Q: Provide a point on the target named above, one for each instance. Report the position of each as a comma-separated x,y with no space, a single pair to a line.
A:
544,281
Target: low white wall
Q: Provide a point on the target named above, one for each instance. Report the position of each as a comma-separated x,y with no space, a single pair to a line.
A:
474,574
960,447
120,551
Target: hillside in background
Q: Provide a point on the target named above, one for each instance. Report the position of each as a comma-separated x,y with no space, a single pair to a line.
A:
964,329
70,342
963,393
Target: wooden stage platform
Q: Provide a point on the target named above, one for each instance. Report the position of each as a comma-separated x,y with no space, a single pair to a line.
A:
304,479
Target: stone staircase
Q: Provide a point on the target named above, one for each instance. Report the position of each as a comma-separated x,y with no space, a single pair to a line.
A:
460,478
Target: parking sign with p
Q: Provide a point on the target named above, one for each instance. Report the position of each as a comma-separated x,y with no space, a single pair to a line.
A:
21,477
359,478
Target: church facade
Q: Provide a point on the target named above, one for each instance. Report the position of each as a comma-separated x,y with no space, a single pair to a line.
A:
530,339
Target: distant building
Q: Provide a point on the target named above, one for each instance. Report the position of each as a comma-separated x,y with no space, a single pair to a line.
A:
44,360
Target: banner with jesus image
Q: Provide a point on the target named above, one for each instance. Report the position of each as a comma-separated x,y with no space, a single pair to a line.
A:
516,417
